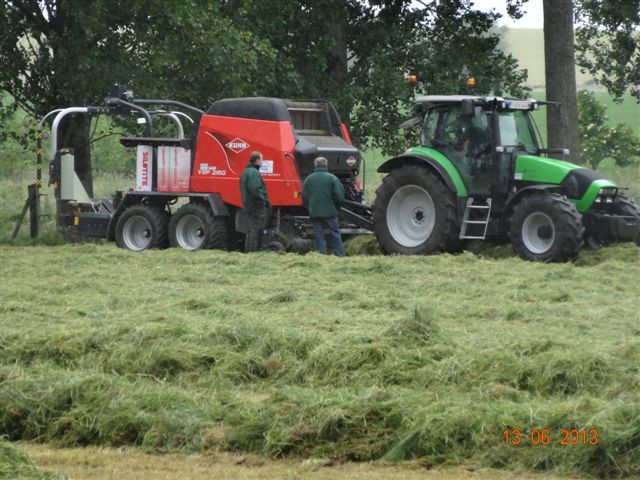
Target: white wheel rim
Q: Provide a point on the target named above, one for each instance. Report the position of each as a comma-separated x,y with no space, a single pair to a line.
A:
190,232
411,216
136,233
538,232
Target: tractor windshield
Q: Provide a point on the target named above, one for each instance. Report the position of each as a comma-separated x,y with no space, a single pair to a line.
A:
516,130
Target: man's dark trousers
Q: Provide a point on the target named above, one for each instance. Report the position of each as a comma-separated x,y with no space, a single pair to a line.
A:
331,224
256,226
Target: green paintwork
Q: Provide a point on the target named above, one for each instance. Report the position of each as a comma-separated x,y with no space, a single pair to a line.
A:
584,204
446,164
542,170
533,169
551,171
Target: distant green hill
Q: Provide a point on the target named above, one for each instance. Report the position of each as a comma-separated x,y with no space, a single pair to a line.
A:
527,45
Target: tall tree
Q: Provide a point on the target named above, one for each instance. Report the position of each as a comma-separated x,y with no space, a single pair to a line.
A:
560,76
57,53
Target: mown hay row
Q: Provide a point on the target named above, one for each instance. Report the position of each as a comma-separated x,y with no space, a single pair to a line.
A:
358,358
348,423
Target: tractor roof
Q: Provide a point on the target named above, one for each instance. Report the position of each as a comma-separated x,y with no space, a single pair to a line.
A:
431,100
425,102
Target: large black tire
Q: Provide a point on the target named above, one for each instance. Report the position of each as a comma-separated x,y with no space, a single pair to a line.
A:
301,245
194,227
141,227
546,227
275,246
623,205
414,213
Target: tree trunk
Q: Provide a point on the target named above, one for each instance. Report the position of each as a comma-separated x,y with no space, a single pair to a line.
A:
560,77
74,133
337,66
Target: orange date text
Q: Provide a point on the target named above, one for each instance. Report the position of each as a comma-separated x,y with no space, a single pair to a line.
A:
544,436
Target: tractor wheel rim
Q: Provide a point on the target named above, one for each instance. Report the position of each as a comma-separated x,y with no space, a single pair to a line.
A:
190,232
137,233
538,232
411,216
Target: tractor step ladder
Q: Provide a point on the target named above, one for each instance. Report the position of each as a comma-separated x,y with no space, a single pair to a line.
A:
476,220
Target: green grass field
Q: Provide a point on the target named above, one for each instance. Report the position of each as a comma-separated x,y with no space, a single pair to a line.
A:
361,358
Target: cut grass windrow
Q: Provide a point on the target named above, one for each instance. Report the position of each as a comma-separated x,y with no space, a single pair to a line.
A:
362,358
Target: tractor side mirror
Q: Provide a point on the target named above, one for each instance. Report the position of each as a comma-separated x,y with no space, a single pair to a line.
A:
467,108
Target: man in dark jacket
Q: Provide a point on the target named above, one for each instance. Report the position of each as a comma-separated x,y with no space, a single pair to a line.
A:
323,194
255,201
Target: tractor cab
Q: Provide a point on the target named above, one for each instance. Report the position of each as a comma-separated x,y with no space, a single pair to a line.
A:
479,136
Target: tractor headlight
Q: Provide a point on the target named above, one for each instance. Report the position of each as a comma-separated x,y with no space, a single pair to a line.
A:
606,195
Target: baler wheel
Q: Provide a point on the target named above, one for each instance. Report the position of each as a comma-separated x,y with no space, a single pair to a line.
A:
141,227
275,246
546,228
301,245
414,212
194,227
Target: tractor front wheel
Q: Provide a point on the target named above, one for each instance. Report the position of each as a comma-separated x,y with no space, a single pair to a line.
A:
414,212
142,227
624,206
546,228
194,227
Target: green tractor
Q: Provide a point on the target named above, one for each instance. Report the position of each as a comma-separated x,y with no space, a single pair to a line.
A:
479,174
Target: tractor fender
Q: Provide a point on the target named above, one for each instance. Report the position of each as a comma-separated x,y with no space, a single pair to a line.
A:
523,192
442,167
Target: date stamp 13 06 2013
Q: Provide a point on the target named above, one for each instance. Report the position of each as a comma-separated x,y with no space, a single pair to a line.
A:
544,436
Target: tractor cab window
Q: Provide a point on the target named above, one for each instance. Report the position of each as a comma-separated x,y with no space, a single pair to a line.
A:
429,128
516,130
466,141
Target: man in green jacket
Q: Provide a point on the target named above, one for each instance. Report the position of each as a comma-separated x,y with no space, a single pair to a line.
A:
323,194
255,201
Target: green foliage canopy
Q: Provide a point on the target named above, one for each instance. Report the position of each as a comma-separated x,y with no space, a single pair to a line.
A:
358,53
599,141
608,43
355,53
64,52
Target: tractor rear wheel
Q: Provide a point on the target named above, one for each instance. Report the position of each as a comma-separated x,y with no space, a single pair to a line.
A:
194,227
547,228
414,212
141,227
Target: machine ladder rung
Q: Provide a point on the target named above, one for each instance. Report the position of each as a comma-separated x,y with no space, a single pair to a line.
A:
475,225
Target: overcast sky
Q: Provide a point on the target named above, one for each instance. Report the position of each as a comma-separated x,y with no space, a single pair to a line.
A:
532,13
